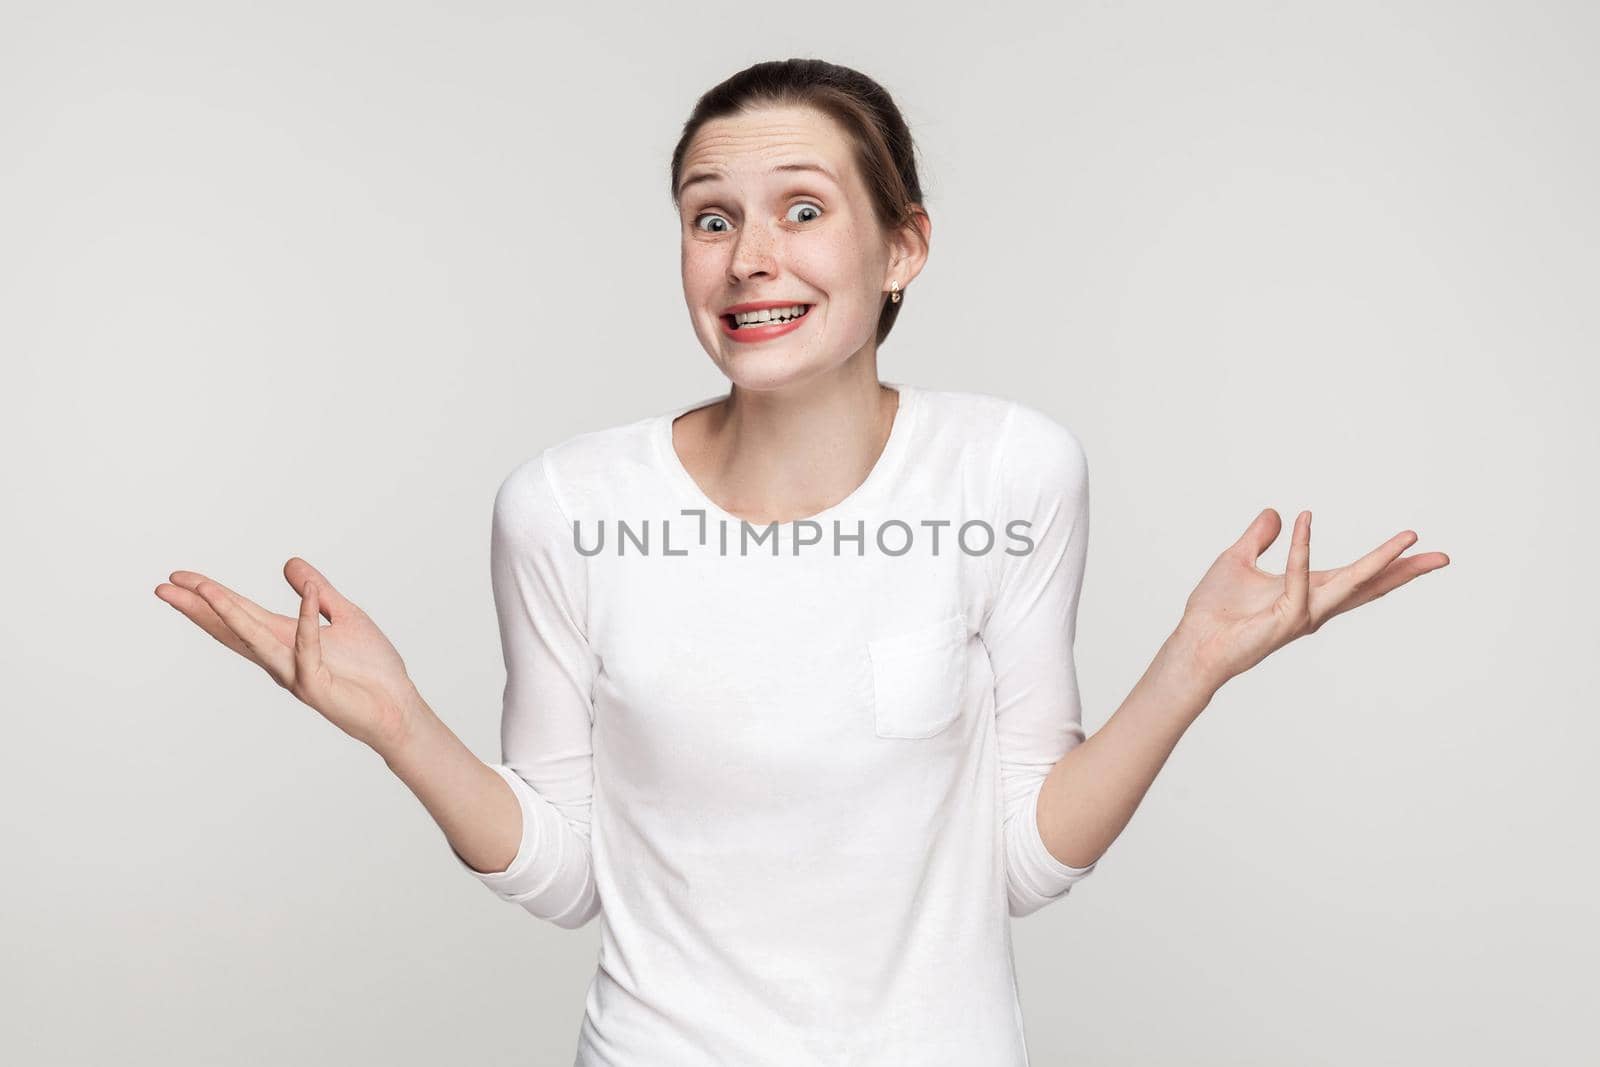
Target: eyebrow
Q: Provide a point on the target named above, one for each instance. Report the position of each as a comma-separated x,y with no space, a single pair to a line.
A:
709,176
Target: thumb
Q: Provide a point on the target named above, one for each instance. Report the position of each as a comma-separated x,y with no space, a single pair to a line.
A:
1258,536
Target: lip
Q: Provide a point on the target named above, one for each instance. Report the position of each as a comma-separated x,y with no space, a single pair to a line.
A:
762,333
761,305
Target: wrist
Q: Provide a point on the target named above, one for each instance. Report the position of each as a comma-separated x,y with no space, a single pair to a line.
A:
1183,660
413,721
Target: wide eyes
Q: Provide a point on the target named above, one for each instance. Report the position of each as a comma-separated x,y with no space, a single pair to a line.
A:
800,209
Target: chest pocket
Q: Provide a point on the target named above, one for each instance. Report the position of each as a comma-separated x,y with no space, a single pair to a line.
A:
918,677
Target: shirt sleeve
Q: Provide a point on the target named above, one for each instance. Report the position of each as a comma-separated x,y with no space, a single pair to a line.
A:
540,596
1029,633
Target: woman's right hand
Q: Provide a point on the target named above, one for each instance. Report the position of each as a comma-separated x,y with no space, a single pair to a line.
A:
348,671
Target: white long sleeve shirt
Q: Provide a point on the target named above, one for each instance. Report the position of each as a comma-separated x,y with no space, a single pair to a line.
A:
793,769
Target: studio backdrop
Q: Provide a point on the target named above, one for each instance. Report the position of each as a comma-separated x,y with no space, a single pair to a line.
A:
311,279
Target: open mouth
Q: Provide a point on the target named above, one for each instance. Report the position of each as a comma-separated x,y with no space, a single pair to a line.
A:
771,319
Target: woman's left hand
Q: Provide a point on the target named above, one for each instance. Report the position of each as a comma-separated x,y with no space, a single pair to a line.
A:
1239,613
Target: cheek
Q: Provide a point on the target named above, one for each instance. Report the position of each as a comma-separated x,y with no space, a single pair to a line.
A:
700,269
831,264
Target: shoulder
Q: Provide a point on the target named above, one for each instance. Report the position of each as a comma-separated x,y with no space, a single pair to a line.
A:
976,420
1038,448
526,503
1009,427
568,478
1024,448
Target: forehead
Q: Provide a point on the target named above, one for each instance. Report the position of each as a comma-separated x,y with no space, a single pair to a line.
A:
749,144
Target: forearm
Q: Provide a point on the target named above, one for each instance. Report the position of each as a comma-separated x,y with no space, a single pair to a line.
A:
472,804
1092,792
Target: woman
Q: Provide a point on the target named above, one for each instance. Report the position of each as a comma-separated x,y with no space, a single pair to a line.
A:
790,699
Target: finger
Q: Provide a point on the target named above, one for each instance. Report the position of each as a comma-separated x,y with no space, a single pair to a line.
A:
273,655
308,643
335,606
282,626
1297,577
194,606
1258,536
1391,578
1344,582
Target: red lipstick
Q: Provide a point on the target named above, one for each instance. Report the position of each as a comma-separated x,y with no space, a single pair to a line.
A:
766,331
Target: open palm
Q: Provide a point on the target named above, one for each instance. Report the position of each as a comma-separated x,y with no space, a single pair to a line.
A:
1239,613
348,671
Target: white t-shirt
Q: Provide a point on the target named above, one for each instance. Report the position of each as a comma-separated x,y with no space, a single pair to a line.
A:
793,768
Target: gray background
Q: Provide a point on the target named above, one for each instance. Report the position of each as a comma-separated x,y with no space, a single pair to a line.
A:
311,279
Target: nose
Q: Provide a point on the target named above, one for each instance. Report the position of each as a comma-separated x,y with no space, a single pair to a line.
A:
753,255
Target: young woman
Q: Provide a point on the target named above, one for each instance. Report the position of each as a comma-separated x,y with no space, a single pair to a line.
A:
790,699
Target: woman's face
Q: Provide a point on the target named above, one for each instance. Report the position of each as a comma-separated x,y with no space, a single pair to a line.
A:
773,211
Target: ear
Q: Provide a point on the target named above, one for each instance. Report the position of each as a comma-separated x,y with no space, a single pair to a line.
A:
908,248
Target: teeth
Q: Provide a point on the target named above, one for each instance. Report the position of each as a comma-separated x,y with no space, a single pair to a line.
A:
753,318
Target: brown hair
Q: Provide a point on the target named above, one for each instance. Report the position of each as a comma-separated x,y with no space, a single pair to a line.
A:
884,151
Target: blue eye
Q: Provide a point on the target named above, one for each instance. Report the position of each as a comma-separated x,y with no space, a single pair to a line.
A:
708,215
813,207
